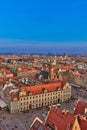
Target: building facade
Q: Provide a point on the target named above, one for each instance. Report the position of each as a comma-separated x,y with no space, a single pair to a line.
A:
38,96
57,119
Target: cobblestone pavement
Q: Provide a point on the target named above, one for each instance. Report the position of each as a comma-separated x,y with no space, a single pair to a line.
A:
22,121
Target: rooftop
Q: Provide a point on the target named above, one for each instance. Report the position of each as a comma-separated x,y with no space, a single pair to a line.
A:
80,109
38,89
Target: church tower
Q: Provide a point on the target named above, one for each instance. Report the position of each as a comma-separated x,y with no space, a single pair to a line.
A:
52,64
0,61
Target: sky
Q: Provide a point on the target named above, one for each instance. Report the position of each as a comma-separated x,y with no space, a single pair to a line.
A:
42,26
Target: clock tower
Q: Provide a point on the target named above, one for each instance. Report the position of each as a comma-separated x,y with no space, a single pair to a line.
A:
52,64
0,61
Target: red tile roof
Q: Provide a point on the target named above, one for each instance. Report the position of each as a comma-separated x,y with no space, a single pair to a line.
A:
23,69
51,87
62,120
7,78
13,96
80,108
6,71
66,67
83,124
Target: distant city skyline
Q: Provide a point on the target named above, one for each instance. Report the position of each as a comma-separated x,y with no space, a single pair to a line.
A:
43,26
25,46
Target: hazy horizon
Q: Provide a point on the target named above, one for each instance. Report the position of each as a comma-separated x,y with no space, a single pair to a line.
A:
23,46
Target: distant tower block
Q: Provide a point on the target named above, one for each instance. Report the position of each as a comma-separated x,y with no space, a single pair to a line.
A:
52,63
0,61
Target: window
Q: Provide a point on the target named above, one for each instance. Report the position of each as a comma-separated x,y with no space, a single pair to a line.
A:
30,93
45,94
45,90
75,127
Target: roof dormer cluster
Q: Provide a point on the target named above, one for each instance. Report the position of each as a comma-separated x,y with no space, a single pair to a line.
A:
63,119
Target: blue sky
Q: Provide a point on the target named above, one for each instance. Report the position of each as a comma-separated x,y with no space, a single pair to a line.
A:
43,26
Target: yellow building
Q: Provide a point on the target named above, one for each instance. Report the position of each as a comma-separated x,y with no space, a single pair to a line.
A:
38,96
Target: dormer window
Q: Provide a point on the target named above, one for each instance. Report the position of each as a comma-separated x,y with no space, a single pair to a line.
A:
23,93
45,90
75,127
15,99
58,88
30,93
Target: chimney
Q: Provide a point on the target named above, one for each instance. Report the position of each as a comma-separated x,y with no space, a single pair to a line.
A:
64,112
82,117
86,110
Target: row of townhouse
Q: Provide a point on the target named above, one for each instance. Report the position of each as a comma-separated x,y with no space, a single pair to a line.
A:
31,97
